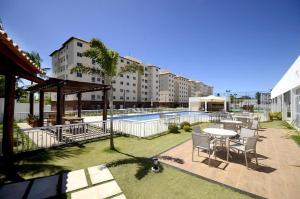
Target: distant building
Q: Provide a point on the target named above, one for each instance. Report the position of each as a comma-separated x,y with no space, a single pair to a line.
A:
265,98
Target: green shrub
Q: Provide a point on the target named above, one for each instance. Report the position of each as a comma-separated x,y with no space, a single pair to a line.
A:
173,128
275,116
182,124
187,128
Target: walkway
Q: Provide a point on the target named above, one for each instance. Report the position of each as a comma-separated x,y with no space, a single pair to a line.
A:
92,183
277,176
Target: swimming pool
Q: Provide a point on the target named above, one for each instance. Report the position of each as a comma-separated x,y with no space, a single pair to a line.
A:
156,116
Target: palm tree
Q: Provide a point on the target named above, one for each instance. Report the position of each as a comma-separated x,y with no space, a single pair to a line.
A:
35,57
107,61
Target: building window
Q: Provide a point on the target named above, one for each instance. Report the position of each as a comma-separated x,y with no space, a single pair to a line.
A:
128,62
114,89
122,60
133,91
93,97
146,93
146,81
121,90
98,79
134,78
134,84
113,81
145,86
127,83
133,98
93,61
93,79
98,96
121,97
146,99
102,81
127,98
79,44
79,74
127,76
121,75
121,83
79,54
127,91
114,97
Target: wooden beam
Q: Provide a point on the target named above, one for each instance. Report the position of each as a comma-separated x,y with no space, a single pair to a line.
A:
59,96
8,120
31,103
41,111
79,106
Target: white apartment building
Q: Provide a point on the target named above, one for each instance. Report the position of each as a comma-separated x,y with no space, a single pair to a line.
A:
181,91
176,90
129,90
167,89
286,95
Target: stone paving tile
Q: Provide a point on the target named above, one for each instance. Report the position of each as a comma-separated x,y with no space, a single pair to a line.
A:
276,176
99,174
122,196
15,190
44,187
73,180
105,190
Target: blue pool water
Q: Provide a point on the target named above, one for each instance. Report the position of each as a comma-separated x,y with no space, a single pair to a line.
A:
146,117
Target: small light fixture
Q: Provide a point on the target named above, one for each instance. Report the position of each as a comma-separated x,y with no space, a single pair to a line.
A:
155,167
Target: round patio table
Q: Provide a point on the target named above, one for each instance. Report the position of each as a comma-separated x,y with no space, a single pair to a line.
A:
231,121
222,133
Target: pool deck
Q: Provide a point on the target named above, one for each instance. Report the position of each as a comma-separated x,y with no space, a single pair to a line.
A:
276,176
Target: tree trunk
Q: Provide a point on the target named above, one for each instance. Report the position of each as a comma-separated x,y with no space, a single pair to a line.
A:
110,94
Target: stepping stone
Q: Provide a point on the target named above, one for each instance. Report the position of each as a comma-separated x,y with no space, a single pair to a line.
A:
15,190
73,180
99,174
44,187
99,191
122,196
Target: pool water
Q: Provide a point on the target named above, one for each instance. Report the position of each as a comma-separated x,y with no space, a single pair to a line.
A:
155,116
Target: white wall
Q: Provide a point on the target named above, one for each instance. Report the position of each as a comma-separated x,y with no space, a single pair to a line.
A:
22,109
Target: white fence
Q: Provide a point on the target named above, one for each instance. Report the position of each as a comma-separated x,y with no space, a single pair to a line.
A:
45,137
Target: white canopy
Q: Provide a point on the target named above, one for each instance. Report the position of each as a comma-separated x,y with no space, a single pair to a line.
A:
289,80
210,98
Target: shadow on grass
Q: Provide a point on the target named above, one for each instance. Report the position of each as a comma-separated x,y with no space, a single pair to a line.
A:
38,162
144,164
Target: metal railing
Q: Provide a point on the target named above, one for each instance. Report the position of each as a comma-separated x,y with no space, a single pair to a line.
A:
45,137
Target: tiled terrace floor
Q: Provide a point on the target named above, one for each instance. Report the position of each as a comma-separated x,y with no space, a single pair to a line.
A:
276,176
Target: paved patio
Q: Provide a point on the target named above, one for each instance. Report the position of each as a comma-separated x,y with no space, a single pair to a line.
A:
102,185
276,176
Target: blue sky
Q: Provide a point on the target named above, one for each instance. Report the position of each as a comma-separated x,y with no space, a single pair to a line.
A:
231,44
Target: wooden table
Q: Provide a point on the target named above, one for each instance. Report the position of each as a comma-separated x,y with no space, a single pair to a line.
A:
73,120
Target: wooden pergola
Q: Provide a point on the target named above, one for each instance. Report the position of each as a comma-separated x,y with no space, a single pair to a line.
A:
63,88
13,63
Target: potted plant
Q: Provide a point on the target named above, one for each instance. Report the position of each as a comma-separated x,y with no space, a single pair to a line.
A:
33,120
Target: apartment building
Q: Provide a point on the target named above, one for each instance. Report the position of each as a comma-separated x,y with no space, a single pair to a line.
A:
176,90
167,89
181,91
129,90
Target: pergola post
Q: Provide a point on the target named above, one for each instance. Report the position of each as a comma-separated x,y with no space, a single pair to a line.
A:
225,105
79,95
31,103
205,106
8,119
41,109
63,105
59,99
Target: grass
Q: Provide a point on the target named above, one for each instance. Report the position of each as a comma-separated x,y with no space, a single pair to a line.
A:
130,166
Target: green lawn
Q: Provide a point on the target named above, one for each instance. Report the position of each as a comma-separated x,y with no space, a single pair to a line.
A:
130,166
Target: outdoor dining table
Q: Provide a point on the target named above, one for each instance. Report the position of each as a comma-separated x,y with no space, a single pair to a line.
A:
221,133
